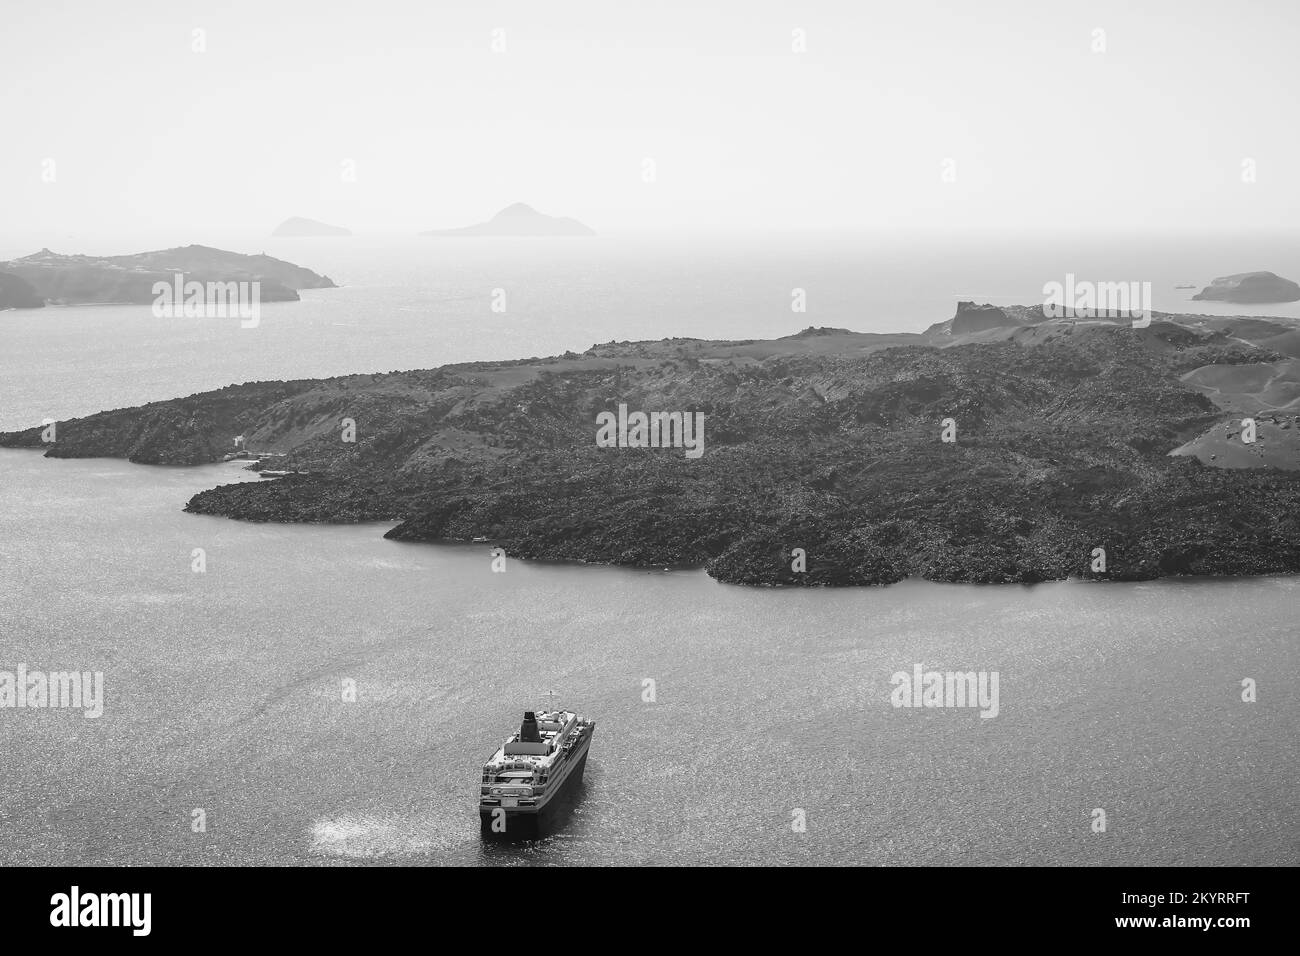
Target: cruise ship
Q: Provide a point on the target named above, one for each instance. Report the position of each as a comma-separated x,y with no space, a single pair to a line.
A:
528,775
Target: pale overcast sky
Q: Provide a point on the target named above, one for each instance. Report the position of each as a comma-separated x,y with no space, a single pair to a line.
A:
744,132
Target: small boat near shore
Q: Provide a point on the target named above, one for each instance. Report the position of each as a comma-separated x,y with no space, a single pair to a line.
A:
527,778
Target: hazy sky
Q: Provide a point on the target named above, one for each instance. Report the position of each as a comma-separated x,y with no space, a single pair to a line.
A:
744,132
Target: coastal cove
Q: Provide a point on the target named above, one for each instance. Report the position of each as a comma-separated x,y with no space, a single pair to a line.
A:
1124,696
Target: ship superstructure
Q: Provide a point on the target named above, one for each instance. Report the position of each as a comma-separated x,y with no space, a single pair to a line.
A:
529,772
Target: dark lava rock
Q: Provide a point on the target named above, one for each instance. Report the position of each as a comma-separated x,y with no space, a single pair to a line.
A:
1061,447
974,318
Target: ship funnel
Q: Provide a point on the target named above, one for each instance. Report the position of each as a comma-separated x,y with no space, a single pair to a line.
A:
528,732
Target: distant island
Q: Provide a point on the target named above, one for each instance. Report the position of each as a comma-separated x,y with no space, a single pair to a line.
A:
1067,436
1254,288
298,227
51,277
519,220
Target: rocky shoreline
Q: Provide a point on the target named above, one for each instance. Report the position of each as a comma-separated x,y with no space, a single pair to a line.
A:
830,442
45,276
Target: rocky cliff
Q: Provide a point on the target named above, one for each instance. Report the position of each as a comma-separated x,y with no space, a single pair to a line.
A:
971,317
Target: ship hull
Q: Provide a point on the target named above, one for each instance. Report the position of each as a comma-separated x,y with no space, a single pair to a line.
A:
527,822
